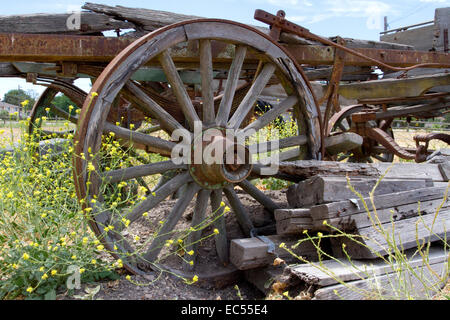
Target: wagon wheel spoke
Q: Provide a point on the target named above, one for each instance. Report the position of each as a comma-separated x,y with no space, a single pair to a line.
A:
206,72
150,130
193,237
63,114
175,215
259,196
274,145
136,172
151,108
272,114
251,96
178,88
152,201
219,223
153,144
239,210
234,73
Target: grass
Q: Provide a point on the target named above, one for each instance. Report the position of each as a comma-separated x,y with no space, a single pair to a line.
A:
44,235
42,227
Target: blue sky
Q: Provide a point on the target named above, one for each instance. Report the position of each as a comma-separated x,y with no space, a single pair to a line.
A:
361,19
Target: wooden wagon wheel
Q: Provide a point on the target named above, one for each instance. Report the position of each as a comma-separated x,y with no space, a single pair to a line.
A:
370,149
208,180
55,87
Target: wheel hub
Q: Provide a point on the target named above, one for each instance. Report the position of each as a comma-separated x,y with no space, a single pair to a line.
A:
217,160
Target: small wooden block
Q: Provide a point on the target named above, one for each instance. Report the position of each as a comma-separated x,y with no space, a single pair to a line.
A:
254,253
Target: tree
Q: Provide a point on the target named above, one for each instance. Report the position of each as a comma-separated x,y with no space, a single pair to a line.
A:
17,97
61,101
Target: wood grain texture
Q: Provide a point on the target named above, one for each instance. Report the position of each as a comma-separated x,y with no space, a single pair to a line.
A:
403,234
347,208
331,272
325,189
253,253
90,23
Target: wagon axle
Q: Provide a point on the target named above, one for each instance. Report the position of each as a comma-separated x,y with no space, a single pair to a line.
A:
219,160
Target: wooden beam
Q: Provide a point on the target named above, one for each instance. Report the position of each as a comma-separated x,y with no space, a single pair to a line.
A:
331,272
410,87
325,189
347,208
146,19
413,284
90,23
253,253
305,169
406,234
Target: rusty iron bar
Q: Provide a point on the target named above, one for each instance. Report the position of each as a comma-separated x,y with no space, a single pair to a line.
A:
432,136
422,150
58,48
287,26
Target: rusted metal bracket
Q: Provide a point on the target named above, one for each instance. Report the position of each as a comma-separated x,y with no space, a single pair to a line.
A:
422,150
291,27
386,141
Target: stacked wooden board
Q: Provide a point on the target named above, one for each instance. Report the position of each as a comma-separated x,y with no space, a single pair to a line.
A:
408,209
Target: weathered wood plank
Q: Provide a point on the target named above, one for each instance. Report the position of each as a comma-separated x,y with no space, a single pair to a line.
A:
347,208
416,285
294,226
410,87
253,253
146,19
305,169
403,234
332,272
396,213
293,221
325,189
90,23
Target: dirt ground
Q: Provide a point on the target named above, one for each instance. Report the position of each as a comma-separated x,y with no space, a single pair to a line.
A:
163,286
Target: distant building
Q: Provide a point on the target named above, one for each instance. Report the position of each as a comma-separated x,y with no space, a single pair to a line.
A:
9,107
